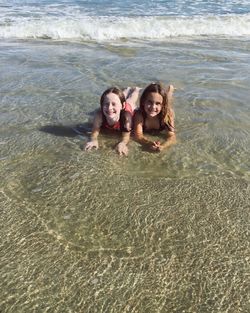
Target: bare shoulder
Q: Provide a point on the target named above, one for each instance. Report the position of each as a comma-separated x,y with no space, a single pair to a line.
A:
98,118
98,112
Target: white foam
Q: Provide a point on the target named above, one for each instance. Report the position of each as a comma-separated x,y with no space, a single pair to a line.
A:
110,28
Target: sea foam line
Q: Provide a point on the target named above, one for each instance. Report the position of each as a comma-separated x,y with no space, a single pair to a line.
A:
107,28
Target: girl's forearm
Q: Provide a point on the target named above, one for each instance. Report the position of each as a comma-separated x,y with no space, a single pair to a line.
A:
143,140
122,147
94,134
125,137
170,140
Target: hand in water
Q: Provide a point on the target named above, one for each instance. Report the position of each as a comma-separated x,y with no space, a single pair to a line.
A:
122,148
156,146
91,144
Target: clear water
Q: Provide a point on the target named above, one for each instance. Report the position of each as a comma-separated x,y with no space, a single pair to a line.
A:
92,232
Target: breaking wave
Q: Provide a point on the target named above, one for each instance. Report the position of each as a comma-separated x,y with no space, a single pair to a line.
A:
115,28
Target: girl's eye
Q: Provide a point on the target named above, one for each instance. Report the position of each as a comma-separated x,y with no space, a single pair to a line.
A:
151,103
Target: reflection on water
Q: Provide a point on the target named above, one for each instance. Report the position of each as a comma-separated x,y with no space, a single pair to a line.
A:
93,232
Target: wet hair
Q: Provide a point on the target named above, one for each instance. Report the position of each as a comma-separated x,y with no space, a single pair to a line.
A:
166,113
126,121
114,90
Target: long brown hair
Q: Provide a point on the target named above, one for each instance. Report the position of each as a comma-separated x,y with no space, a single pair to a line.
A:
166,114
114,90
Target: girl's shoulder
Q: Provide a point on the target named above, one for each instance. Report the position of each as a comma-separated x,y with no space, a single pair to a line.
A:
98,112
98,118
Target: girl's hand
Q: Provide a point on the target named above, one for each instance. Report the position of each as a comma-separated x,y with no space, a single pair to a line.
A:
91,144
122,148
156,146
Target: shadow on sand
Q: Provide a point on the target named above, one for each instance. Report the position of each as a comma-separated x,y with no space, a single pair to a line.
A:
67,131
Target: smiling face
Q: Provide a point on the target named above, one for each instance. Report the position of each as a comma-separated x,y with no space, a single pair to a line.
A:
153,104
111,107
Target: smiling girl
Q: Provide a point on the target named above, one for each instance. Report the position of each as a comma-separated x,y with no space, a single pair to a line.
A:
155,114
115,113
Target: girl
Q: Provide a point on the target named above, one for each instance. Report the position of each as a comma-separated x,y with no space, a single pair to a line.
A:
115,113
155,113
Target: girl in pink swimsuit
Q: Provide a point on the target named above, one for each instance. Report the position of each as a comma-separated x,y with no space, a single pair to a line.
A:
115,113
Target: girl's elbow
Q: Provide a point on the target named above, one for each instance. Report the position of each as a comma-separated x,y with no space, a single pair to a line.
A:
171,136
172,139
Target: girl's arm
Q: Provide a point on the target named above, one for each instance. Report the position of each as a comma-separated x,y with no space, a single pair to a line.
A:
138,131
93,143
170,140
126,127
122,147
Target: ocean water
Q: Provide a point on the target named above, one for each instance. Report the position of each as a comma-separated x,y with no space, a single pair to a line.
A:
93,232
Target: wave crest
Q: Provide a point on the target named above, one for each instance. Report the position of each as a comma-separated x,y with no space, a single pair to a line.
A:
107,28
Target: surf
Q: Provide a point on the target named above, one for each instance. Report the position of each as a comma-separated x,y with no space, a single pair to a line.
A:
84,28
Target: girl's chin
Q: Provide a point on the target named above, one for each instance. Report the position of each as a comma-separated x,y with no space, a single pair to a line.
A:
111,117
152,114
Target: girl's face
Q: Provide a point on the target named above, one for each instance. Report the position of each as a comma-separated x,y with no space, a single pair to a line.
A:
112,106
153,104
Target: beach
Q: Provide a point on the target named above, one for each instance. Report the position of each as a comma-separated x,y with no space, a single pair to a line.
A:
151,232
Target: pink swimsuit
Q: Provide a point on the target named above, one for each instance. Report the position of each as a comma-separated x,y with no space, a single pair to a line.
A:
117,126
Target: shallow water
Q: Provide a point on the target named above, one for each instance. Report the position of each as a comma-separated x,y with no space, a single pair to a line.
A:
92,232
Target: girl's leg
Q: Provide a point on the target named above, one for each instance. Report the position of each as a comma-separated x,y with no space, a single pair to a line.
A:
170,91
126,92
132,94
